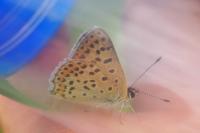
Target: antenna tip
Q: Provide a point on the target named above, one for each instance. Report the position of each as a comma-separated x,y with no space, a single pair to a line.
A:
166,100
159,59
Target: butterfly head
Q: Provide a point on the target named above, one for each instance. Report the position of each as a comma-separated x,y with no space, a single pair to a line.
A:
132,92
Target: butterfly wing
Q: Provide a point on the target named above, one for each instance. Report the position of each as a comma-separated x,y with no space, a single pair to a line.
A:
92,72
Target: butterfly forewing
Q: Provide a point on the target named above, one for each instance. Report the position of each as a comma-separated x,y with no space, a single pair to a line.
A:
92,72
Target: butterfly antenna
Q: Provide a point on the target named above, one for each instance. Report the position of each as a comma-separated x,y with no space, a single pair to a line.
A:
133,91
146,70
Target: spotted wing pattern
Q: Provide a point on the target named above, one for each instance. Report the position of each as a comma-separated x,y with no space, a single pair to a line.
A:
92,72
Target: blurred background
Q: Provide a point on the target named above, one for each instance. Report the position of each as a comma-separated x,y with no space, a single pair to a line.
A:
26,65
141,30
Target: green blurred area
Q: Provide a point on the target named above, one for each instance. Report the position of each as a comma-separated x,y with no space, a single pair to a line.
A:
84,15
106,14
7,90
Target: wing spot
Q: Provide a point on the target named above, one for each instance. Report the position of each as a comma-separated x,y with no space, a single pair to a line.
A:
94,97
91,73
58,89
82,56
67,75
84,66
101,91
97,59
86,87
71,71
76,68
73,96
96,70
84,94
72,88
63,95
76,74
69,92
85,81
91,65
108,48
102,49
91,45
63,80
78,81
111,70
98,52
116,81
70,65
104,78
99,33
103,39
93,85
79,63
91,36
71,82
87,51
96,41
110,88
92,80
81,72
107,60
65,68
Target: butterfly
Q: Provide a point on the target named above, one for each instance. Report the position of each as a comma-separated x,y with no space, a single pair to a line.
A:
92,74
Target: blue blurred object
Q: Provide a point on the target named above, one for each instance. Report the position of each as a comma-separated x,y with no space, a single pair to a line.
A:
25,27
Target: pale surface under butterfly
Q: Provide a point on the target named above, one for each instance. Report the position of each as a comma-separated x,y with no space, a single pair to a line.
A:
92,74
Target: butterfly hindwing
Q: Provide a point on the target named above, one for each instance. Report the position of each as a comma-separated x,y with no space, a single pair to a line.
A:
92,72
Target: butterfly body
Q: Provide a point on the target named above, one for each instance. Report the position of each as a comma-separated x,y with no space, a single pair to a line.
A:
92,74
